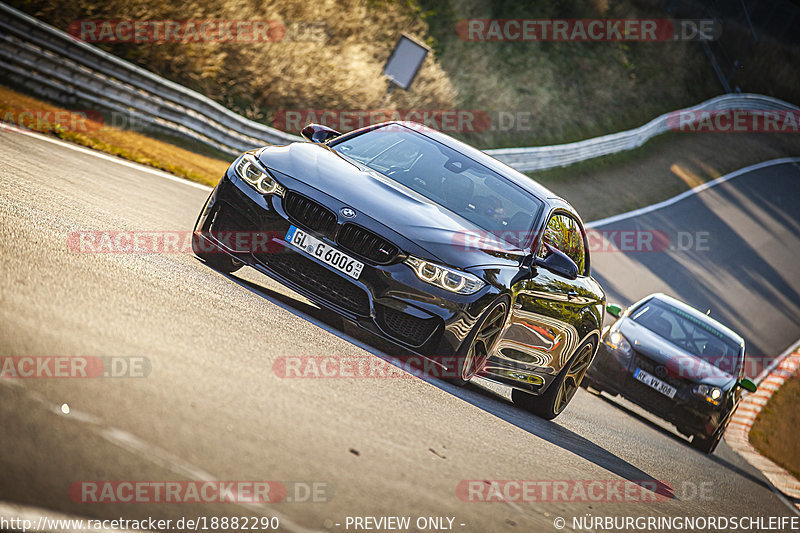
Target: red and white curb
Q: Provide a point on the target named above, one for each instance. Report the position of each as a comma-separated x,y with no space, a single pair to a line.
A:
737,435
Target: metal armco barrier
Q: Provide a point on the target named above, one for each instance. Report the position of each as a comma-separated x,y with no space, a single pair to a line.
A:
561,155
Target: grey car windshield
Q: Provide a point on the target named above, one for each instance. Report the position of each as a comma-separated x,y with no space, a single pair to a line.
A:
447,177
693,334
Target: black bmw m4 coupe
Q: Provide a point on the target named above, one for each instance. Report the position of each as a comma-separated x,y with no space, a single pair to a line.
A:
424,241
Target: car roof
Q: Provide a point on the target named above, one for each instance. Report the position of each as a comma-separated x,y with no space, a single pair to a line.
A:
688,309
513,175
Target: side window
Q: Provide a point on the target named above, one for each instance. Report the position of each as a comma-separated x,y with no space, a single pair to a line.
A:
563,232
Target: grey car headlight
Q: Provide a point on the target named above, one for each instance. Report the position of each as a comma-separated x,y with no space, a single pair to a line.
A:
618,342
443,277
253,173
708,393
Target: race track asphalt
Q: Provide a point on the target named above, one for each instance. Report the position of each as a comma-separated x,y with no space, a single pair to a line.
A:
213,409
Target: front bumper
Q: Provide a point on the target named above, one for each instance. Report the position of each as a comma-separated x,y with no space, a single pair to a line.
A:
691,414
387,299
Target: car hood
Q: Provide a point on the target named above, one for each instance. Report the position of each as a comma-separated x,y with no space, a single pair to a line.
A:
679,363
446,236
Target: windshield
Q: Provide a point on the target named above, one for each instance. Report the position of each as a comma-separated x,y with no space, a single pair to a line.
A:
448,178
696,336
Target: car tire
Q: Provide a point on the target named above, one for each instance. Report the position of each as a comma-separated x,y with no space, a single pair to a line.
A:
559,394
214,257
475,350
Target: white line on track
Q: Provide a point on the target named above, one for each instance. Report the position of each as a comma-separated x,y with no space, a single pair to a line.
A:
107,157
693,191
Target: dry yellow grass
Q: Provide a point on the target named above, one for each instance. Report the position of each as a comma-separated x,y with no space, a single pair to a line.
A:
339,67
126,144
573,90
773,431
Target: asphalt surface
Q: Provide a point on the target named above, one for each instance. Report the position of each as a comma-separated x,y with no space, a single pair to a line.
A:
212,407
732,249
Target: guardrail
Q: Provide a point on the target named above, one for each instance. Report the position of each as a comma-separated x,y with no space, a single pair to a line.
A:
51,63
561,155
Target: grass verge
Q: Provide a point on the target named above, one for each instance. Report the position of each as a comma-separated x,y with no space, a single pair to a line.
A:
94,134
771,435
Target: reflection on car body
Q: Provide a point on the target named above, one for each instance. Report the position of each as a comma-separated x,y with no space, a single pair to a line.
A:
376,225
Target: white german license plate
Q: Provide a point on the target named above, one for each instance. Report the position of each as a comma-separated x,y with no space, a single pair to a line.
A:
650,380
323,252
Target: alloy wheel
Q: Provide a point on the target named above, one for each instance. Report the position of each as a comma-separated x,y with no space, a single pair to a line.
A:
577,369
484,341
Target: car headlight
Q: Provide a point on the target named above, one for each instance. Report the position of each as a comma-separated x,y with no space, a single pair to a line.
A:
618,342
443,277
252,172
708,393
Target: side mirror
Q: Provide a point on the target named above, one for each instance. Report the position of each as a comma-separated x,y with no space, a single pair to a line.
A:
558,262
317,133
748,385
614,310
